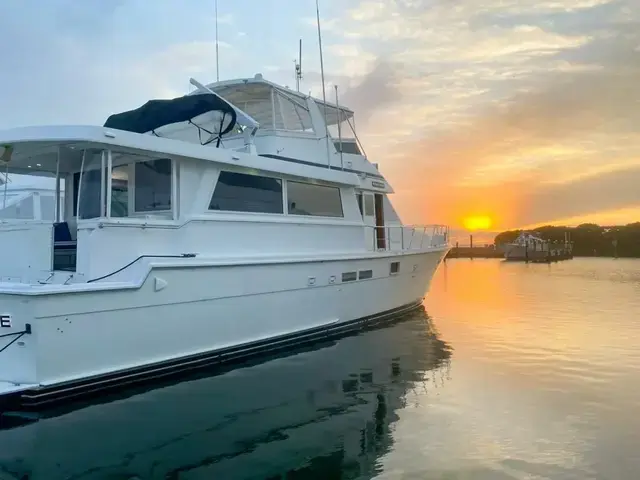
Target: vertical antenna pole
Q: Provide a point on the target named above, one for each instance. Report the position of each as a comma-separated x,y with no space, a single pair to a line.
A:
324,95
298,67
339,127
217,55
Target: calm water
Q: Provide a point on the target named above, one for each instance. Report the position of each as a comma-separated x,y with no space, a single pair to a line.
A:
514,372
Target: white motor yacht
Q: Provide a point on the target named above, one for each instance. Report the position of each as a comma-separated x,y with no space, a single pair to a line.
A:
201,229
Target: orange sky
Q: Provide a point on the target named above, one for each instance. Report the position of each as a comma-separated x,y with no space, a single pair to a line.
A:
521,111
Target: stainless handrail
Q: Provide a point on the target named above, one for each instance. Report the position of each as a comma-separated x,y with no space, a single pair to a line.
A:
436,235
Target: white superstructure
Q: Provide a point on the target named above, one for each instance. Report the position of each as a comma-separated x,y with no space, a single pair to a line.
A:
191,230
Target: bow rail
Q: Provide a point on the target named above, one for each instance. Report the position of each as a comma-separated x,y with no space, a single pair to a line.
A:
402,238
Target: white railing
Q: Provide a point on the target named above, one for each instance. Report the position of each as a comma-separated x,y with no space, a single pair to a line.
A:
398,238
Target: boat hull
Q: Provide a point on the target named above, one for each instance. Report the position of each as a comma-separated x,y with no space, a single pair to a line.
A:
259,422
182,318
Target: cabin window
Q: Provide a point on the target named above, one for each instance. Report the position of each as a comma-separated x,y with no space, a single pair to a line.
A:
368,206
153,185
359,198
90,196
136,186
90,186
347,146
315,200
241,192
120,191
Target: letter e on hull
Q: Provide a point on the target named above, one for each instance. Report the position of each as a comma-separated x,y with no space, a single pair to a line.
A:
5,321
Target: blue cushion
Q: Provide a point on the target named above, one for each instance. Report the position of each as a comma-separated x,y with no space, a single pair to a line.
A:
61,232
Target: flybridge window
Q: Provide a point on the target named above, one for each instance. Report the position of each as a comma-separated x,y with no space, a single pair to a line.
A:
241,192
269,106
314,200
291,114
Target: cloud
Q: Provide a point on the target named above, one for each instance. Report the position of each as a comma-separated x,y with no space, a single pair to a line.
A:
468,106
610,191
376,90
500,100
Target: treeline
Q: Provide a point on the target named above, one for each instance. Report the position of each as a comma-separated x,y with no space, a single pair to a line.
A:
588,239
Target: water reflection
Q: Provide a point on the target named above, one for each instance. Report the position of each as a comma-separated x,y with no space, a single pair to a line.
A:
545,375
324,413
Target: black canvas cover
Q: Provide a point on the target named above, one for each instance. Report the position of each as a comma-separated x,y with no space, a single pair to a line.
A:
158,113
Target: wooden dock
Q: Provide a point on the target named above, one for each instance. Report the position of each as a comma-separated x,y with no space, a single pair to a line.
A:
466,251
527,248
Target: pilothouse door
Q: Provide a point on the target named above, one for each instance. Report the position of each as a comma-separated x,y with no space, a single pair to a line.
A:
380,230
371,207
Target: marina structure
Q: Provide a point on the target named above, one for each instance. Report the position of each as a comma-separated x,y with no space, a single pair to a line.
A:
531,248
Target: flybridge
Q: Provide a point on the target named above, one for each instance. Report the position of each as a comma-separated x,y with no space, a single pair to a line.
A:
255,116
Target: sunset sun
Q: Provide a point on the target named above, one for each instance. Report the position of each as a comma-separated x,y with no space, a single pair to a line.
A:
477,222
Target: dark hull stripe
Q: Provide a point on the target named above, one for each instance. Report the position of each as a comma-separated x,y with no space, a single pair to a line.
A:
46,396
313,164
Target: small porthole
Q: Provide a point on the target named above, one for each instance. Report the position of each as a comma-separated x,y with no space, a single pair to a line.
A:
395,268
365,274
349,276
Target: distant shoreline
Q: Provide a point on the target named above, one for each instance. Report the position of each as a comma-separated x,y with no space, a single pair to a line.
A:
589,239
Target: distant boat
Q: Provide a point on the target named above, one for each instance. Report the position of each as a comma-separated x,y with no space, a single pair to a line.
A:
28,203
530,247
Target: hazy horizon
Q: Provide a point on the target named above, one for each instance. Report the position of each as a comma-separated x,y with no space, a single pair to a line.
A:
516,112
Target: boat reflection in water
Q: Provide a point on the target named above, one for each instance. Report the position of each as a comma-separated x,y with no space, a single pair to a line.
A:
321,413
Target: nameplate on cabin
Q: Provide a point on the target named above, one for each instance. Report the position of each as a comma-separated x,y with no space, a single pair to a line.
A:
377,184
5,321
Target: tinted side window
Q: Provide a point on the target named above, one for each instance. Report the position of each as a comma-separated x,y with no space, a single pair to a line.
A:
368,206
310,199
241,192
153,185
348,147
